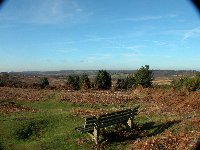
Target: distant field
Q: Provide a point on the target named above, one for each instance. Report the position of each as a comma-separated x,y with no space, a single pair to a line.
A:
46,119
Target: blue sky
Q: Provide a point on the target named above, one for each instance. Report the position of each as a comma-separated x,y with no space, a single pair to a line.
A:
99,34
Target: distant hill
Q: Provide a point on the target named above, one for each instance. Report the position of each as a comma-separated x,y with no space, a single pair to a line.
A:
156,73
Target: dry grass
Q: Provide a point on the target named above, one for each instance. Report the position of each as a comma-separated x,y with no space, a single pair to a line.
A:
181,107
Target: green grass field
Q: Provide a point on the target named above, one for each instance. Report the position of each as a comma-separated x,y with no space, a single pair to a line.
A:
50,125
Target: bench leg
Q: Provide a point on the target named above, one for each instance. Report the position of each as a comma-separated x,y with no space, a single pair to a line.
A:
130,123
96,135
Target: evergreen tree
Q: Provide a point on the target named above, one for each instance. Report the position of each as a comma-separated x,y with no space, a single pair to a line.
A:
130,81
103,80
73,82
143,76
85,82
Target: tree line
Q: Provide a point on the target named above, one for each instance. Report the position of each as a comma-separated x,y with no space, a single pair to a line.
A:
103,81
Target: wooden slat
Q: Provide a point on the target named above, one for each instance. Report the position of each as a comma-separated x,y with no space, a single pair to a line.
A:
83,130
90,118
115,116
107,120
90,122
113,122
89,125
86,130
115,113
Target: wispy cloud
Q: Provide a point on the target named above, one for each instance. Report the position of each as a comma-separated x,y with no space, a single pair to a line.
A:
127,47
97,57
191,33
67,50
132,54
96,39
146,18
43,12
159,43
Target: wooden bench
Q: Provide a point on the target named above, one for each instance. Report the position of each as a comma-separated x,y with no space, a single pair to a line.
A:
93,124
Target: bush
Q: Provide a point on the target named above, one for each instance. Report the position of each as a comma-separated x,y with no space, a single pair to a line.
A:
103,80
143,77
191,84
11,81
130,81
85,82
121,84
73,82
43,82
30,129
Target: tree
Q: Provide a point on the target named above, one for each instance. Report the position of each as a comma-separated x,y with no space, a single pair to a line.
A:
130,81
103,80
143,76
127,83
85,82
43,82
121,84
198,80
189,83
73,82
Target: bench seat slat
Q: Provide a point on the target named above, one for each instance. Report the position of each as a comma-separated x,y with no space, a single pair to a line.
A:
83,130
90,118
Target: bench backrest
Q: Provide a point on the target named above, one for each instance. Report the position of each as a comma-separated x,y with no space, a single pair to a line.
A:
111,118
116,117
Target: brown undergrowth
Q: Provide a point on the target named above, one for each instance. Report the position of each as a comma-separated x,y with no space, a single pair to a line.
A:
167,119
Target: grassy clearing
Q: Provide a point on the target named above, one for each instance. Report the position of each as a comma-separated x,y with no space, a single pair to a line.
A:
50,126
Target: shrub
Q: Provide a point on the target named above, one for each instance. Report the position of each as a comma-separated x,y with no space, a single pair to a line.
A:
43,82
85,82
121,84
191,84
143,77
73,82
32,128
130,81
103,80
127,83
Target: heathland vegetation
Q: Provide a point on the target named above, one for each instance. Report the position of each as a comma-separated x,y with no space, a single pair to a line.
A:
43,112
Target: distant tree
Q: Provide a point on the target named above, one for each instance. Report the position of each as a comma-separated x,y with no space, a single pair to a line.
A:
143,76
198,80
127,83
2,82
130,81
73,82
43,82
189,83
121,84
103,80
85,82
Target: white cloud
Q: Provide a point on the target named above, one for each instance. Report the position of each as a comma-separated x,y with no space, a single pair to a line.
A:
42,12
191,33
